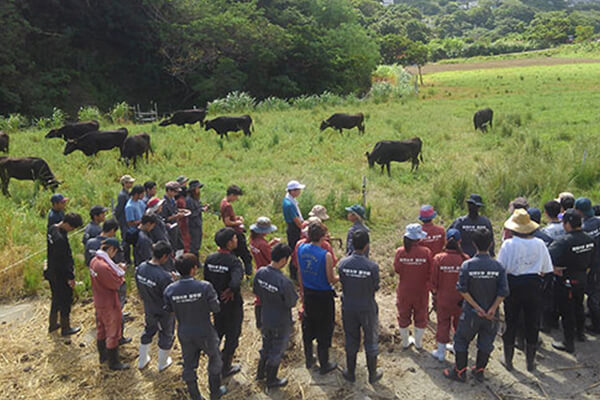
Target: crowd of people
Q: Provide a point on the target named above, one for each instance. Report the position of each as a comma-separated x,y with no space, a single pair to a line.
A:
540,275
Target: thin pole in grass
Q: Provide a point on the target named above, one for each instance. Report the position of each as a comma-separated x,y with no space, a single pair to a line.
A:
364,191
585,152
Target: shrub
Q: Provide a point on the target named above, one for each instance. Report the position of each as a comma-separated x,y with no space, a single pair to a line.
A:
233,102
58,117
120,113
13,123
331,99
273,104
306,102
89,113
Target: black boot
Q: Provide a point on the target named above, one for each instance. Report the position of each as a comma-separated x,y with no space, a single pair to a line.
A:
309,355
375,374
324,365
101,344
113,360
569,347
261,371
349,373
509,352
520,342
228,368
530,350
192,387
459,372
480,364
65,326
216,390
272,379
53,322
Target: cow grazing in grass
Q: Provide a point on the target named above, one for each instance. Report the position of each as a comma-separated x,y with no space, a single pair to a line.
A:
482,118
136,146
73,131
95,141
223,125
26,168
387,151
4,142
180,118
344,121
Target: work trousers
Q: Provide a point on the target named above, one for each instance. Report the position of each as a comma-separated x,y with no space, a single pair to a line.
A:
228,323
412,306
274,343
319,318
164,324
469,325
593,300
357,320
192,347
243,253
447,316
525,300
549,303
62,297
195,239
108,325
570,307
293,236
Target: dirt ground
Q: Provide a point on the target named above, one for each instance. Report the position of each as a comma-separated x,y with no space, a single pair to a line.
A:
524,62
36,365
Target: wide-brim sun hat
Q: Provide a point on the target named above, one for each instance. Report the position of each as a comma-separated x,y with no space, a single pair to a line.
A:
521,222
319,211
427,213
263,225
415,232
475,199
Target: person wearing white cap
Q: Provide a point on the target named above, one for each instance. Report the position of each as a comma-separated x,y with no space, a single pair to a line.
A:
413,264
293,219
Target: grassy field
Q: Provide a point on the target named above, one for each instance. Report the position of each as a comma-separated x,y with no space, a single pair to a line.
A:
543,142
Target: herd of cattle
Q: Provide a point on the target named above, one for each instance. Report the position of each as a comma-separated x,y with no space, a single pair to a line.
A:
89,139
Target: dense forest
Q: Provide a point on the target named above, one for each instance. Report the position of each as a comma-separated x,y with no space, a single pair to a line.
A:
67,53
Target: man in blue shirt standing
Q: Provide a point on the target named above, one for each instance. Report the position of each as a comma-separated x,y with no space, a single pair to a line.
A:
134,211
293,219
119,213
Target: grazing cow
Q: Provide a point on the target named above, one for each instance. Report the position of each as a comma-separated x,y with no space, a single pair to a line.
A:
4,142
26,168
73,131
135,146
92,142
482,118
180,118
345,121
222,125
391,150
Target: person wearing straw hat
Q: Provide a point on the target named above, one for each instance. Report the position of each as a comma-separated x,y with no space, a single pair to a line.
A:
444,275
192,203
119,213
107,277
356,215
412,263
192,301
471,222
436,234
293,219
483,285
93,228
526,260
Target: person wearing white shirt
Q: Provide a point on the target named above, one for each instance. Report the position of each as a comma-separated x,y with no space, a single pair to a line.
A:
526,259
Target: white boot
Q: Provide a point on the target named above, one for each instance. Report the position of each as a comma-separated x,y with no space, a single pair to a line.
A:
419,332
405,338
440,353
164,361
144,357
450,347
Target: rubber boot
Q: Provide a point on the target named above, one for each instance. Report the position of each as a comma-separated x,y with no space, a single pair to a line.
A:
164,361
272,380
65,326
480,364
192,387
350,372
440,353
564,346
459,372
101,345
261,369
144,356
375,373
324,365
308,354
53,322
228,368
419,332
530,351
216,390
404,334
509,352
113,360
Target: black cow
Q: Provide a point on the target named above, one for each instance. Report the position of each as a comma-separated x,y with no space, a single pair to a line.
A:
26,168
92,142
222,125
481,119
73,131
387,151
180,118
135,146
345,121
4,142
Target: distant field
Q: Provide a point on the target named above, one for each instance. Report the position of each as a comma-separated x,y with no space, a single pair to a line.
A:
544,141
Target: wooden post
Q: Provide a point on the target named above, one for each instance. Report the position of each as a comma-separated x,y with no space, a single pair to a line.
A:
364,192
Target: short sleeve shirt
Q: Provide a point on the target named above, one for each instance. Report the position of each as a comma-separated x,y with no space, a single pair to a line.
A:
228,213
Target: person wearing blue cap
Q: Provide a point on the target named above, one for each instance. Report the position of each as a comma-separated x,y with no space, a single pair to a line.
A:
57,212
444,275
356,215
470,223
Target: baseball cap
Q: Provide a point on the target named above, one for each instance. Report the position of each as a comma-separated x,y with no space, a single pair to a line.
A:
453,234
572,217
58,198
535,214
154,203
127,179
357,209
292,185
97,210
427,213
475,199
173,185
112,242
584,205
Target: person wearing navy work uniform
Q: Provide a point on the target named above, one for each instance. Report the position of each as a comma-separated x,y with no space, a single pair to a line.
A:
483,284
277,295
471,222
171,214
109,230
152,280
359,277
316,276
60,273
192,203
119,213
57,212
356,215
93,228
143,247
192,301
293,219
572,254
591,226
224,271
